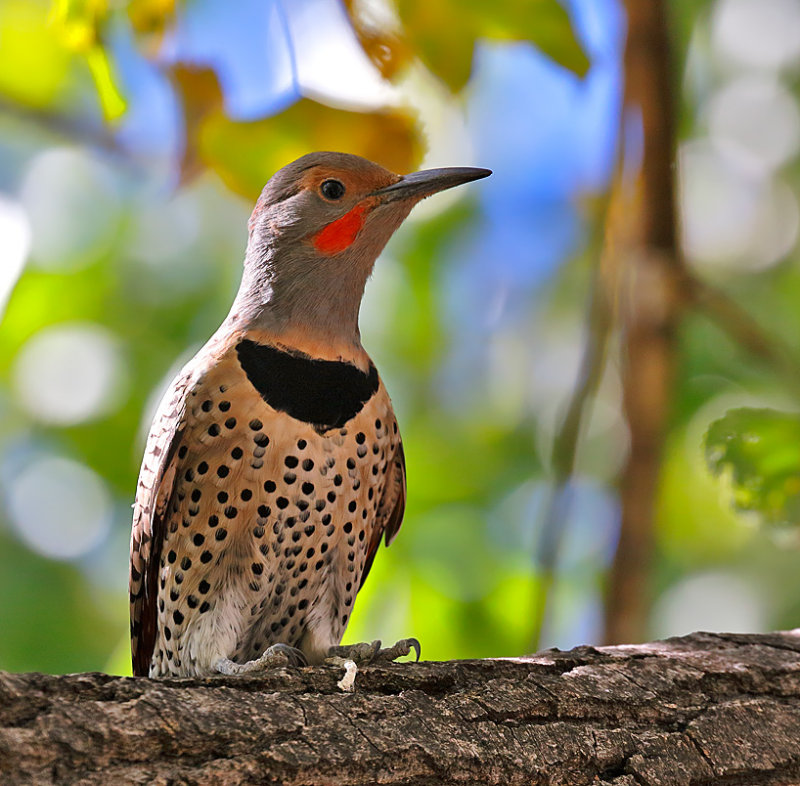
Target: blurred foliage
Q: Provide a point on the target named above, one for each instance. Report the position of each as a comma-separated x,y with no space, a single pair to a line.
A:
35,50
444,34
236,151
759,449
79,26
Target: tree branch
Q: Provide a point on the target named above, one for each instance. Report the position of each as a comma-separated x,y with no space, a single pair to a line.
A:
650,309
64,126
704,709
744,330
599,323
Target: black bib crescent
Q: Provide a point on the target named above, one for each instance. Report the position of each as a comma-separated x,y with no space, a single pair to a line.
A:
324,393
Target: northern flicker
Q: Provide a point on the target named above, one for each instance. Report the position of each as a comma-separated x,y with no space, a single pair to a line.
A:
274,466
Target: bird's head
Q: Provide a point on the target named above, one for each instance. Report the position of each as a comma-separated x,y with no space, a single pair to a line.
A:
317,230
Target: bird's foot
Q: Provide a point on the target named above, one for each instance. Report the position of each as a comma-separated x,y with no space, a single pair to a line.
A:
275,657
365,653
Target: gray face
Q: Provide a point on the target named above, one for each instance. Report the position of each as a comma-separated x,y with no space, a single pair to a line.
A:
301,198
315,234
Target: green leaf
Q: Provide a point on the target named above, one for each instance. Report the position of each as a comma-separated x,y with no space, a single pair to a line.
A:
444,33
760,450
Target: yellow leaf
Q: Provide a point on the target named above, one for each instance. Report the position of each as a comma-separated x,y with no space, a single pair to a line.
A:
201,96
78,22
111,100
34,63
151,16
247,154
385,47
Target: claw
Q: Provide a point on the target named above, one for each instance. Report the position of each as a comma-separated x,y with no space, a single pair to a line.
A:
363,654
274,657
295,656
400,648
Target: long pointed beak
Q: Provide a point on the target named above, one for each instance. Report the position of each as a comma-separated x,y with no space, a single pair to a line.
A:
422,184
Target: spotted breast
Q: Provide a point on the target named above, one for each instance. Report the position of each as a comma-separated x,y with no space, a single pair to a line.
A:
269,511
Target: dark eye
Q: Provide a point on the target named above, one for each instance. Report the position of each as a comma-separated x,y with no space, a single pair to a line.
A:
332,189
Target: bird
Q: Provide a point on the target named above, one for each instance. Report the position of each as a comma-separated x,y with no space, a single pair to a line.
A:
274,466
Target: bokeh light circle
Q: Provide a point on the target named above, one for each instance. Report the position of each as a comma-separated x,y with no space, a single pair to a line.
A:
756,119
15,243
758,33
74,204
60,508
732,220
69,373
715,600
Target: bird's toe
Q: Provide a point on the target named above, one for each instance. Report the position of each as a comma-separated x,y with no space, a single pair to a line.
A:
274,657
399,649
365,653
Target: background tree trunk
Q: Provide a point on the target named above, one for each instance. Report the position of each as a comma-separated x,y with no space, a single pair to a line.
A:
650,304
703,709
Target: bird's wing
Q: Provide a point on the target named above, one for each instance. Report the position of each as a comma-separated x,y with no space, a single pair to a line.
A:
153,497
390,510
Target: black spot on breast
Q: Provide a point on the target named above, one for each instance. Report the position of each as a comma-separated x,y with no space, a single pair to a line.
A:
325,393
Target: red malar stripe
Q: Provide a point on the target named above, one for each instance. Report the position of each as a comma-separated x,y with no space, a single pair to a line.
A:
338,235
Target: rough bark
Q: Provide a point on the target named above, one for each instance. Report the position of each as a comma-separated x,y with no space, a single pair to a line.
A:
703,709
